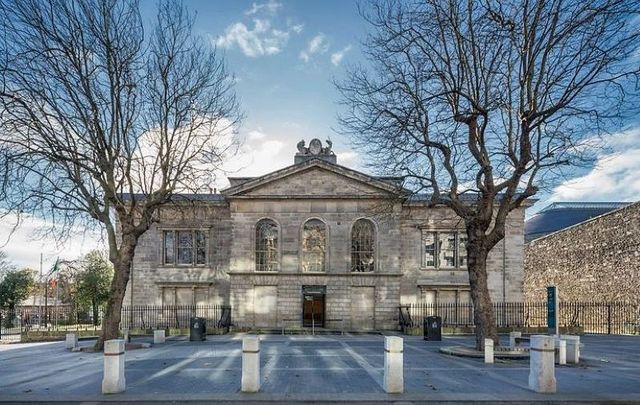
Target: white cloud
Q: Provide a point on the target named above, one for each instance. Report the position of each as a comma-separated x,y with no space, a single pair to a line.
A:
317,45
256,135
258,41
262,39
336,57
614,177
23,248
271,7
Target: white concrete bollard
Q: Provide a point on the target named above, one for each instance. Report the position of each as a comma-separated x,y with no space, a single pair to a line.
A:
126,336
250,364
512,339
488,351
562,352
393,365
158,336
113,380
573,348
541,364
71,341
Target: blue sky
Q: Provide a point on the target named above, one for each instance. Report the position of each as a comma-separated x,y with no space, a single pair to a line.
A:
285,55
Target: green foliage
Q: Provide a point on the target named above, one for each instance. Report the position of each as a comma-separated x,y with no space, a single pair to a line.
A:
93,281
16,287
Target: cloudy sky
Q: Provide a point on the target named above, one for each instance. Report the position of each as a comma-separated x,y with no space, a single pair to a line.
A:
285,55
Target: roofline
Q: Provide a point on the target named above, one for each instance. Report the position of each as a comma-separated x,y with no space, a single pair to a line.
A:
296,167
629,206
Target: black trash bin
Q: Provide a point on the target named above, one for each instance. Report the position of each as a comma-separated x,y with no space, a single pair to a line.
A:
197,329
432,328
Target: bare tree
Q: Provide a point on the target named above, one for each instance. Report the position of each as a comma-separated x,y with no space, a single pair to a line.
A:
482,103
101,122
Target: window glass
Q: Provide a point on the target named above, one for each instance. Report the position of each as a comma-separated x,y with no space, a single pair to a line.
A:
169,247
363,246
462,249
447,249
429,241
201,247
314,244
266,245
185,247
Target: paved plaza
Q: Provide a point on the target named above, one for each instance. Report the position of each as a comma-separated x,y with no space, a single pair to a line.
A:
308,369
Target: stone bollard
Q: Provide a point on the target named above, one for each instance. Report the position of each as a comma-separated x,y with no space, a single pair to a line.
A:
113,379
158,336
71,341
488,351
512,339
250,364
541,364
393,365
562,352
573,348
126,336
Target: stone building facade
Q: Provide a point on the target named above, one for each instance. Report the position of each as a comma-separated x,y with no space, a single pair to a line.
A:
596,260
314,243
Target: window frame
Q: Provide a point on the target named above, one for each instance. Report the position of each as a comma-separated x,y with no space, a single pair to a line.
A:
436,233
255,245
194,248
374,246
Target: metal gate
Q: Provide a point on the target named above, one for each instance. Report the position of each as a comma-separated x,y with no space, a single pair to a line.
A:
11,326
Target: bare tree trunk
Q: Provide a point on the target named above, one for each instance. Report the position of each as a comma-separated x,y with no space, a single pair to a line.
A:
94,307
483,316
122,270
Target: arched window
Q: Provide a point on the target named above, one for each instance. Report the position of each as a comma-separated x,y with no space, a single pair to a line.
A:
314,245
363,246
266,245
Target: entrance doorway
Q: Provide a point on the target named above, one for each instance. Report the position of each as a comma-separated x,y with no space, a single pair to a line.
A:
313,305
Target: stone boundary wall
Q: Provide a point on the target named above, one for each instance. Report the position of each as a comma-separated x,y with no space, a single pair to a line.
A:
597,260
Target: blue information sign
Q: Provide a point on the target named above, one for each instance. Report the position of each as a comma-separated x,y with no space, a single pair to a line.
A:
552,309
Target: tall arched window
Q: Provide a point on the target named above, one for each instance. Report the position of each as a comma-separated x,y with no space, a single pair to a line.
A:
266,245
363,246
314,245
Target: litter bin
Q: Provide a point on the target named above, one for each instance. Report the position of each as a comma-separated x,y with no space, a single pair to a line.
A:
432,328
197,329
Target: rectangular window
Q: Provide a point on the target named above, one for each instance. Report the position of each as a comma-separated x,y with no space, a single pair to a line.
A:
201,247
429,241
185,247
169,247
462,249
447,249
444,250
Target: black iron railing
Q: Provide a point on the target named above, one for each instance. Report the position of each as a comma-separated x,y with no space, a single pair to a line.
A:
590,317
173,316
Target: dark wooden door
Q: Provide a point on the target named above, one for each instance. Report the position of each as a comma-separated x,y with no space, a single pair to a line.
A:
313,310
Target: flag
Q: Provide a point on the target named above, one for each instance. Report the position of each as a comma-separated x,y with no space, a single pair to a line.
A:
55,268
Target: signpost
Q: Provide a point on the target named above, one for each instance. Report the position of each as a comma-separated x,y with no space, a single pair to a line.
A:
552,310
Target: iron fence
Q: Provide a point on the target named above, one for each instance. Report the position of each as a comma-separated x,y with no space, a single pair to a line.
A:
174,316
590,317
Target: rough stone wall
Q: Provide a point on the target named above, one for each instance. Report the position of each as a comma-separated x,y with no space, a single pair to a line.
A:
417,218
149,273
597,260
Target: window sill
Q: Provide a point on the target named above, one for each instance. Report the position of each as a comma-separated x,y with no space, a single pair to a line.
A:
443,269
